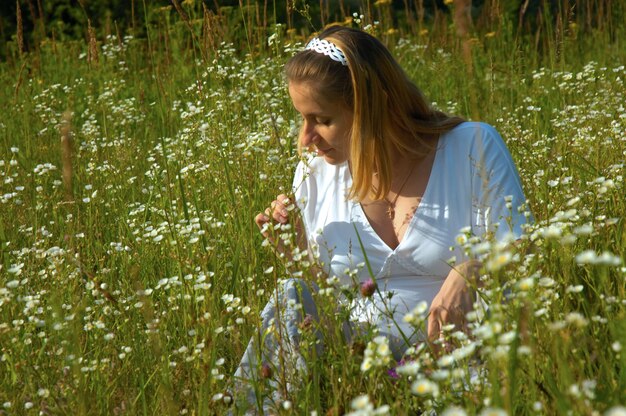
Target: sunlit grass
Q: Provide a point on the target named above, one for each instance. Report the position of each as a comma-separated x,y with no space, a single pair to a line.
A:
137,289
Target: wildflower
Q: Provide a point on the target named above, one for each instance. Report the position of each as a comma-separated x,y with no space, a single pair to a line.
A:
546,282
368,288
590,257
360,402
377,354
464,352
440,375
586,257
609,259
408,369
574,390
16,269
589,387
393,374
573,201
445,361
574,289
553,231
500,260
526,284
507,337
417,315
616,411
576,319
361,405
454,411
492,411
425,387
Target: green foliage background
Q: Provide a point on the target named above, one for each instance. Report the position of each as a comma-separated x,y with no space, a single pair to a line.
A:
132,275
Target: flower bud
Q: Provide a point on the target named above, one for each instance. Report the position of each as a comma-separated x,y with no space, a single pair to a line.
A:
368,288
266,371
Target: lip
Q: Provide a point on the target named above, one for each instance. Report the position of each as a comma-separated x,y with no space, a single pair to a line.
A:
322,152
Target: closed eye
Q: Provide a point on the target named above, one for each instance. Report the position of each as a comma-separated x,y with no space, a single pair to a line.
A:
324,121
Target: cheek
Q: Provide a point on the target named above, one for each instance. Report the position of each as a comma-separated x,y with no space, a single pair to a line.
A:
346,137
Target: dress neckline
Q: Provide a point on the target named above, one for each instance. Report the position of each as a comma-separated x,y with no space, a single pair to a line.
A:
424,197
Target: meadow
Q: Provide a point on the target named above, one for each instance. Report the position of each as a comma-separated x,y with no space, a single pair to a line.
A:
132,274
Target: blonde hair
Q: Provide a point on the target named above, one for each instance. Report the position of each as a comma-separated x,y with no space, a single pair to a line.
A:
388,110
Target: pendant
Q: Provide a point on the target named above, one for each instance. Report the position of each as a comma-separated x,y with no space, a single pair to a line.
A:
391,212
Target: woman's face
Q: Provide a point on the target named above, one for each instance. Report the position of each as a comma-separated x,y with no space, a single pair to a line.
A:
326,124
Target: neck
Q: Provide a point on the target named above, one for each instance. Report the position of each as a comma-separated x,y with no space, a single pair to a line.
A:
399,165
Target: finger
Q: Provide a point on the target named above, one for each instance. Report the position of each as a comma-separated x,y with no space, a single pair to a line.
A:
434,334
279,205
261,219
434,326
283,199
279,212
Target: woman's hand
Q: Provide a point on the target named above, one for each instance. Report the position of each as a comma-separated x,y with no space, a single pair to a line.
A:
277,212
454,300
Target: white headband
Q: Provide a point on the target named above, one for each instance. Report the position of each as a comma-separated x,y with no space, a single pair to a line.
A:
327,48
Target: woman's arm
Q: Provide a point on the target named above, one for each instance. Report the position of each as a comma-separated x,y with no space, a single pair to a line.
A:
454,300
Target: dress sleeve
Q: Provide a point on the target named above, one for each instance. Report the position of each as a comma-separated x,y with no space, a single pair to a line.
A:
498,199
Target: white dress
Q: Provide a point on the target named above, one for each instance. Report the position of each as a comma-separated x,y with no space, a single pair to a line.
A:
471,175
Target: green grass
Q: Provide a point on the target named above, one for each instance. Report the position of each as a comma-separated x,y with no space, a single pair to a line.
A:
115,293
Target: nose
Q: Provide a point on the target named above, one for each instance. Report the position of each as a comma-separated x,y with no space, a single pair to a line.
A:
308,136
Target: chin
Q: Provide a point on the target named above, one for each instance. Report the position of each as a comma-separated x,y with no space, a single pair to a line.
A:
334,161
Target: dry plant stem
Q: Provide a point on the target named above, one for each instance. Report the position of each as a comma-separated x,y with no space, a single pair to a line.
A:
66,149
20,79
93,44
20,29
41,19
189,25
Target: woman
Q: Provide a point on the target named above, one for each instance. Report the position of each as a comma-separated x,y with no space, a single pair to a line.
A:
393,182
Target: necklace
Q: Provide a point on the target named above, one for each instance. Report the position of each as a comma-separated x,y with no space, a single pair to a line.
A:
391,205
